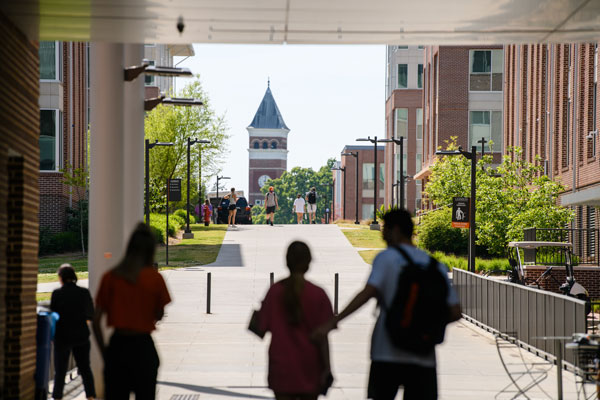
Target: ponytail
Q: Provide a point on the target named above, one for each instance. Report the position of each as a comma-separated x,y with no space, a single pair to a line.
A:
298,258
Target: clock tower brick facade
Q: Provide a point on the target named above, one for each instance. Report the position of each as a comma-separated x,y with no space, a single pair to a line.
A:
267,150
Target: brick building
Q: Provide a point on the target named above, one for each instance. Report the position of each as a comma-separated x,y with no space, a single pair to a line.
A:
267,150
462,97
366,184
64,118
404,118
551,110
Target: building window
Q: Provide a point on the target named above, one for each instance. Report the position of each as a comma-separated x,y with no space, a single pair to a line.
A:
49,140
149,79
265,145
488,125
273,144
256,145
401,126
368,181
381,175
486,70
419,140
258,202
402,47
367,211
49,61
404,163
420,47
420,76
591,232
402,76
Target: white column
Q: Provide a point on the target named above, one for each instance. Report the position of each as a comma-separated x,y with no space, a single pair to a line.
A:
133,143
106,240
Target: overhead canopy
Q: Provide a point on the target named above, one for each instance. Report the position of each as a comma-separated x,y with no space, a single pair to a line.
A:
309,21
537,245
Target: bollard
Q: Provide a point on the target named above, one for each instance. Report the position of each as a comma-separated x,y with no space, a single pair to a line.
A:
272,277
208,293
336,293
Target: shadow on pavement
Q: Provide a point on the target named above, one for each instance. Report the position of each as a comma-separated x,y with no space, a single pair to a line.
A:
230,255
211,390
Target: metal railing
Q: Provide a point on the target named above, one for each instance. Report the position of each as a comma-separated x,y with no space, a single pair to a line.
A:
585,244
518,310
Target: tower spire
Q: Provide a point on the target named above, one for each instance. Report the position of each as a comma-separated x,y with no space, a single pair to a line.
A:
268,82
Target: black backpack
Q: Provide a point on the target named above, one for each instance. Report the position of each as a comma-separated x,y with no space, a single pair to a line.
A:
312,197
417,318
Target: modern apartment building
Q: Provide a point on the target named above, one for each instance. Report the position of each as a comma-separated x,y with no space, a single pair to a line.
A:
463,98
551,111
64,118
163,55
404,118
366,182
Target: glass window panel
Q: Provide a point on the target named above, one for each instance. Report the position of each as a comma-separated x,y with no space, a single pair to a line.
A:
368,182
149,79
382,173
497,61
273,144
403,47
481,61
48,139
479,127
401,122
47,52
420,76
419,162
402,76
367,211
480,82
496,131
419,123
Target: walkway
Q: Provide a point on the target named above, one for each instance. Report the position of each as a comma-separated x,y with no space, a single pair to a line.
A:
214,356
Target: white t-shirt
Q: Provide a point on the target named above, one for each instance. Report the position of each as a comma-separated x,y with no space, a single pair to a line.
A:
384,277
299,205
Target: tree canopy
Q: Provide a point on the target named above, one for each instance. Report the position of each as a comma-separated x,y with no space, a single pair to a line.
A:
175,125
513,196
298,181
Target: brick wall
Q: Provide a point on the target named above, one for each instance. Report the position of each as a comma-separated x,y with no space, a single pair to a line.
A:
588,277
19,202
257,168
365,155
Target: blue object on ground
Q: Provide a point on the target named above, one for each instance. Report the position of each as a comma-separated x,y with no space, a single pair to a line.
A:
46,324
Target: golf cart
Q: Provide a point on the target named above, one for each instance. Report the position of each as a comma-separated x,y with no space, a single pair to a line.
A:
560,255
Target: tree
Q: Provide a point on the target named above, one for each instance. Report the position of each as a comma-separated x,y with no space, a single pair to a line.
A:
77,180
176,124
298,181
514,196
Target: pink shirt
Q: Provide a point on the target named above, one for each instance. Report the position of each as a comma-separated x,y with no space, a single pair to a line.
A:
295,365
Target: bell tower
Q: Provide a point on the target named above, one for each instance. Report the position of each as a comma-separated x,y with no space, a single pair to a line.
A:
267,150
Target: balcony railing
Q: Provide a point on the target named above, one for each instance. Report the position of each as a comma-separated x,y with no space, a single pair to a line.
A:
585,245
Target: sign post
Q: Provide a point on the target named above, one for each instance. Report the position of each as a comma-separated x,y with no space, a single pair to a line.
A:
460,212
173,194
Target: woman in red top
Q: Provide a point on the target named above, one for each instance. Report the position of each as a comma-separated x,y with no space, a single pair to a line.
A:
133,296
298,367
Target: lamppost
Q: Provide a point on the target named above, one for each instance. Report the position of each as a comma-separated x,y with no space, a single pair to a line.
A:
219,201
343,169
355,155
188,233
395,187
148,146
332,212
374,224
472,155
399,142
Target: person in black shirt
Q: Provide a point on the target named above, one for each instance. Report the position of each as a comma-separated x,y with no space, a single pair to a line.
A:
75,307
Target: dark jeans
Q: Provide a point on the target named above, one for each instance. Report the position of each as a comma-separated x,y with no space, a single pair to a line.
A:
81,353
385,378
131,365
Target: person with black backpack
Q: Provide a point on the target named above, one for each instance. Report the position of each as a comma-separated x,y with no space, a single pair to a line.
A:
416,303
311,205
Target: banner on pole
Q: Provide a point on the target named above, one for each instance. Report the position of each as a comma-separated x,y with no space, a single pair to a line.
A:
460,212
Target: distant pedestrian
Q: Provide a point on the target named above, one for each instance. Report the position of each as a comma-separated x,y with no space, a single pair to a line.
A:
75,308
271,204
393,365
311,206
232,208
206,212
299,204
299,367
133,296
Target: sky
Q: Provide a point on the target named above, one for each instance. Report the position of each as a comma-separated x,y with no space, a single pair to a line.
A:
327,95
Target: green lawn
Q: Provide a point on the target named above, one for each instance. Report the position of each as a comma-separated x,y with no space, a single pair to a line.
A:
364,237
369,255
201,250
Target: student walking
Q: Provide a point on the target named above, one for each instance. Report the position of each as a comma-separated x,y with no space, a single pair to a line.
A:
393,365
75,308
206,212
299,204
311,205
133,296
299,367
271,204
232,208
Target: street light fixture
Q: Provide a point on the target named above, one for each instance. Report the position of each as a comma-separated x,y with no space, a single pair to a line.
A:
148,146
472,155
400,142
188,233
150,103
355,155
343,169
374,224
219,178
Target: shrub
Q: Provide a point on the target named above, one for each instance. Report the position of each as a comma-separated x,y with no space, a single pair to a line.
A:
158,223
183,214
45,241
435,233
481,264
